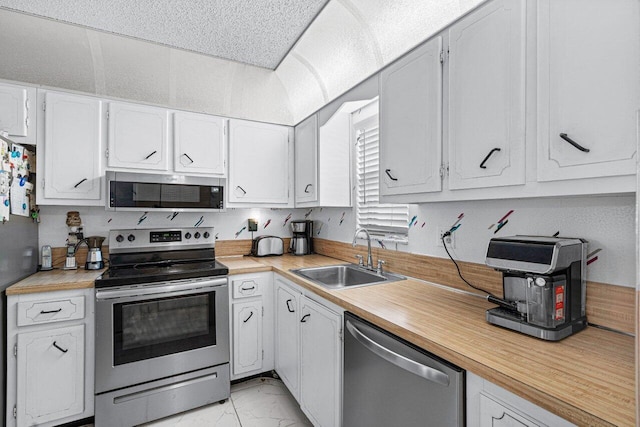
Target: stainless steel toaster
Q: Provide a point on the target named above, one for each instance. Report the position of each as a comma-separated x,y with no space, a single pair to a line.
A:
267,245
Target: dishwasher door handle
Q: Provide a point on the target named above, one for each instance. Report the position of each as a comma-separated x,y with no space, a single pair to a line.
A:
403,362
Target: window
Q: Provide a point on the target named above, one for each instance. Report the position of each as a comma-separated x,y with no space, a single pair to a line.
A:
384,220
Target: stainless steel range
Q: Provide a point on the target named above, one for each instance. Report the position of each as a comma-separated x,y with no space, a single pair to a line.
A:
162,326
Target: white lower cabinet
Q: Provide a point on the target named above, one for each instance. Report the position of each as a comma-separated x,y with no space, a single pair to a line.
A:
50,375
251,324
287,339
489,405
50,363
320,363
309,351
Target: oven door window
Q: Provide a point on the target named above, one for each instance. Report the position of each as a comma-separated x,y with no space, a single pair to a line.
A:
158,327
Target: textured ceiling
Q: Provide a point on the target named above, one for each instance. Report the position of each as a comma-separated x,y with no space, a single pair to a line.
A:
256,32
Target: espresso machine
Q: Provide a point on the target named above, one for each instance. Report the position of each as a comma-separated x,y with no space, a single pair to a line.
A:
544,284
302,240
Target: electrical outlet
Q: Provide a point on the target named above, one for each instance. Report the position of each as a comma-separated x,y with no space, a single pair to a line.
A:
450,239
253,224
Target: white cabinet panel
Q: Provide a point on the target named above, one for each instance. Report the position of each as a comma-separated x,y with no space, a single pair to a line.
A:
138,136
320,363
247,336
72,148
50,375
199,144
50,358
410,122
306,160
14,110
259,163
493,414
588,87
252,324
287,331
486,119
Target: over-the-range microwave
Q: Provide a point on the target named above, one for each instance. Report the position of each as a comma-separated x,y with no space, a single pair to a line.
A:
127,191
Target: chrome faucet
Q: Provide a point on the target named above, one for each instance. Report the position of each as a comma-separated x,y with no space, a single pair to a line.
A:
369,256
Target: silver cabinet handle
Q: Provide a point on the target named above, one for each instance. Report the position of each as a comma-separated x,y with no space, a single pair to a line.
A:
426,372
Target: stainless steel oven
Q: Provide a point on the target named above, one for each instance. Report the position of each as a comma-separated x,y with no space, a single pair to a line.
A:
162,327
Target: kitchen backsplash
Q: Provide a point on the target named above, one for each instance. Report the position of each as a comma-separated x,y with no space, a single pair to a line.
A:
229,225
607,222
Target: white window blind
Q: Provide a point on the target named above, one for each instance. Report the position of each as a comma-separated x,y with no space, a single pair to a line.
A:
389,221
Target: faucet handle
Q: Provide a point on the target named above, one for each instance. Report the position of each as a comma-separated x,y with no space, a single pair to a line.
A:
360,260
380,264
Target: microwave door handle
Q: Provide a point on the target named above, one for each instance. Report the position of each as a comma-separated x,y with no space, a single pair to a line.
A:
403,362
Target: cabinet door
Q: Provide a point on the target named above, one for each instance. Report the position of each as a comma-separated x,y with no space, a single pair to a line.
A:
50,375
588,88
259,163
410,122
320,363
306,160
247,336
73,147
286,336
138,136
493,414
486,114
13,110
199,143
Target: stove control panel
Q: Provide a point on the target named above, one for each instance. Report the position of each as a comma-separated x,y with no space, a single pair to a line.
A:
166,236
122,241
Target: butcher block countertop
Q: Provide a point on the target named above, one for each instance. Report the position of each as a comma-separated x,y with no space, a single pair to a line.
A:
55,280
587,378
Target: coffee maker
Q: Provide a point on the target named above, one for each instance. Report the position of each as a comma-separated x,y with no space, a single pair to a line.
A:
94,255
544,284
302,240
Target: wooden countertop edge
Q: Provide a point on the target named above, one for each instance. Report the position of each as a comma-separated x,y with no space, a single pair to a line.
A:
553,404
34,289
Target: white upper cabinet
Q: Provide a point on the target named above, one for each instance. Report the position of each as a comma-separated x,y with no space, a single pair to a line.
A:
259,163
306,160
72,149
410,122
138,137
16,116
588,88
199,144
486,114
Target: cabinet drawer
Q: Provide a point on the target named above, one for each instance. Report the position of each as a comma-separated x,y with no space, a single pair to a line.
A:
39,312
246,287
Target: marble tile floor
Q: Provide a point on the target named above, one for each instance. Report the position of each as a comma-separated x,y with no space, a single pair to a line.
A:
260,402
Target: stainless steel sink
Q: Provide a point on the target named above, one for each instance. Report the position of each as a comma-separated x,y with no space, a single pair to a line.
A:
345,276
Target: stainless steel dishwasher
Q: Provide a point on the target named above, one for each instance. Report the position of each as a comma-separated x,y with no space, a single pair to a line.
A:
389,382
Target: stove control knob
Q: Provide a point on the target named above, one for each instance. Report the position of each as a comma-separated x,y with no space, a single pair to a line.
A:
187,235
206,235
131,237
197,235
119,238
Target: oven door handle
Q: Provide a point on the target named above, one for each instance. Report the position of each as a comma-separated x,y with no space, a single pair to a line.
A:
106,294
